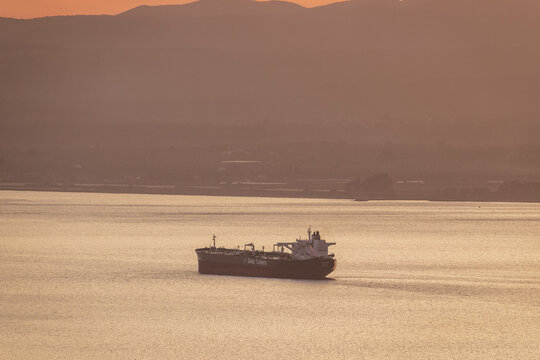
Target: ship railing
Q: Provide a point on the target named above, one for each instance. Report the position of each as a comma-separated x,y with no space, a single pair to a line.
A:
281,246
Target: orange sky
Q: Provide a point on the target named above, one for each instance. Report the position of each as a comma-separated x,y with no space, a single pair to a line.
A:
38,8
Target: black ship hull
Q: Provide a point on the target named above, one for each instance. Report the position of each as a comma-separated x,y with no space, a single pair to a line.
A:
260,264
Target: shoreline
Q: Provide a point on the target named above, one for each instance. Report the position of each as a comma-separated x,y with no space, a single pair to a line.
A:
184,190
217,191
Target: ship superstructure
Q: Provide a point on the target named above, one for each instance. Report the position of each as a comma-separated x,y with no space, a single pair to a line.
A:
302,259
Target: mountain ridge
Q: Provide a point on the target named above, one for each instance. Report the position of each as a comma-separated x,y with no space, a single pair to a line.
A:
216,8
337,63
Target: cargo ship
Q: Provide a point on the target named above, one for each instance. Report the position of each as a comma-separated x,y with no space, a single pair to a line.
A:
302,259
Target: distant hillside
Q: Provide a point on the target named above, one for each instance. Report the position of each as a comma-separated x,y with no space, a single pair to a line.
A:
216,8
238,61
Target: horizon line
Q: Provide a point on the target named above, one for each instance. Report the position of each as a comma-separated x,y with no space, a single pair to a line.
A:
116,11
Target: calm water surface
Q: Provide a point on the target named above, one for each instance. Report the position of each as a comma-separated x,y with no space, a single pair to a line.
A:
115,276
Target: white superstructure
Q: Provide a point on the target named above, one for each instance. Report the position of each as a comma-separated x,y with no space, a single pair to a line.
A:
312,247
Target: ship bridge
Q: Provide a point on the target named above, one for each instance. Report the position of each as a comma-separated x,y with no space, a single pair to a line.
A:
312,247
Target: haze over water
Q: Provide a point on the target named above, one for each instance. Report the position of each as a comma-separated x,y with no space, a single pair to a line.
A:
115,276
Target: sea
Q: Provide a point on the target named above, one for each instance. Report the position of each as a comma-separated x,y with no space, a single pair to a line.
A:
114,276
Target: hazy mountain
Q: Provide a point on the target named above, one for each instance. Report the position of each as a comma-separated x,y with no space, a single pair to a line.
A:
237,61
216,8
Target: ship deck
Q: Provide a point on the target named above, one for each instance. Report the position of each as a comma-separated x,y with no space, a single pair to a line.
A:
270,255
